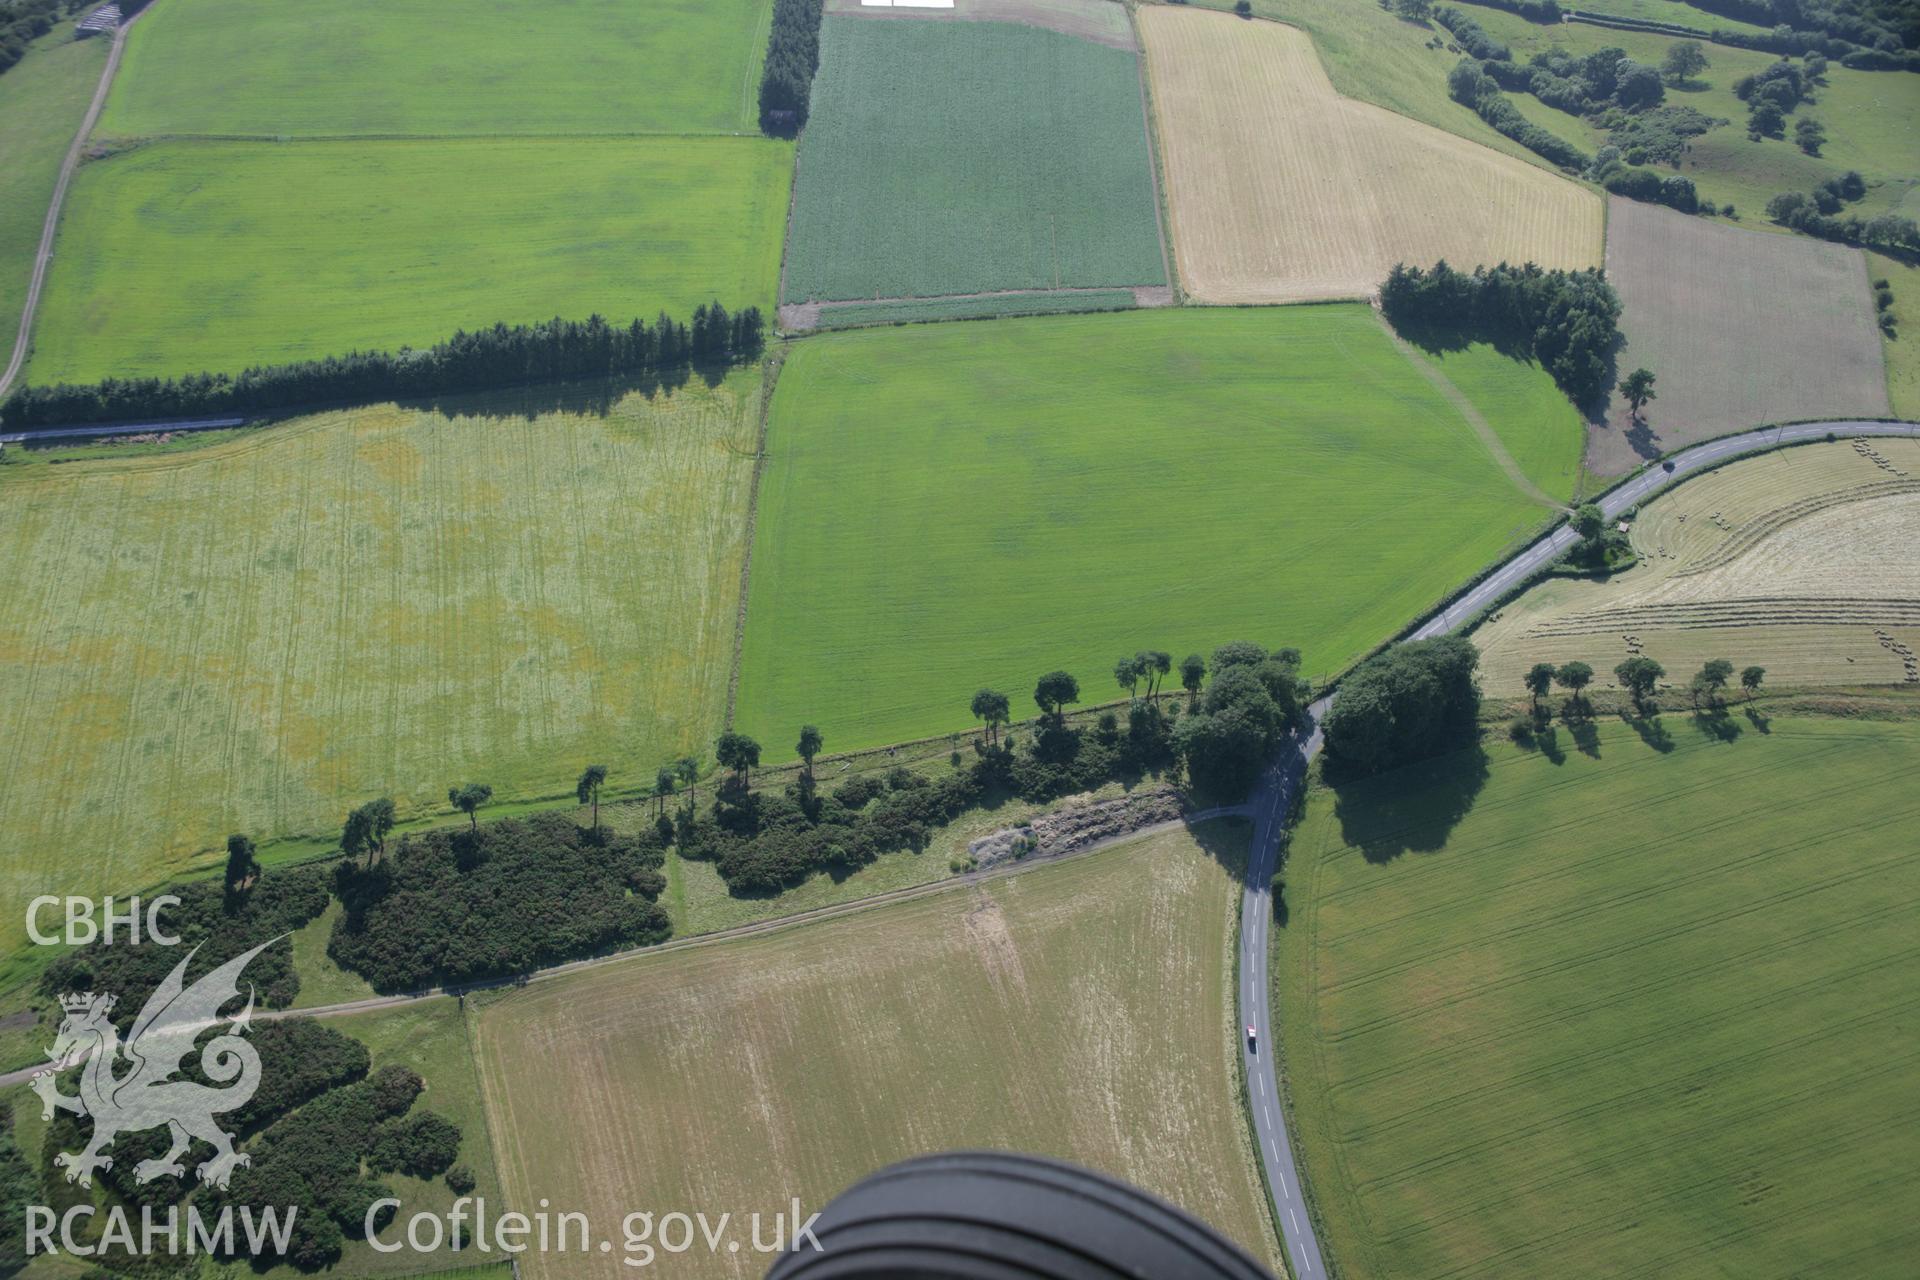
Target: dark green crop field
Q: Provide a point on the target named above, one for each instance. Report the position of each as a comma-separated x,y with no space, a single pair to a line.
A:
963,157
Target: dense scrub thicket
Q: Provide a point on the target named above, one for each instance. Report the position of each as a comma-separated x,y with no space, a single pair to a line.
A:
24,21
793,55
1412,701
1568,321
458,906
505,355
306,1129
18,1189
221,923
312,1159
299,1060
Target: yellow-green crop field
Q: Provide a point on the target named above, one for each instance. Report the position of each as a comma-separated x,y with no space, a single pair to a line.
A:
255,635
179,257
1635,1002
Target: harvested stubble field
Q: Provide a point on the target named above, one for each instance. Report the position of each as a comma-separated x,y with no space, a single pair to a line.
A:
331,67
951,506
1798,561
966,157
1283,190
1637,1008
187,256
1740,328
256,635
1016,1013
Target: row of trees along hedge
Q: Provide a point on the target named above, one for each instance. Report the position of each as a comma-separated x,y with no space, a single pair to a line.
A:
1568,321
459,905
793,55
1820,213
1881,34
1407,703
505,355
761,842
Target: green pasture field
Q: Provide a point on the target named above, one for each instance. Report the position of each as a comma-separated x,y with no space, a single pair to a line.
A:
1537,423
1015,1014
951,506
1637,1002
43,98
1872,118
257,635
966,157
188,256
846,315
331,67
1903,349
1676,12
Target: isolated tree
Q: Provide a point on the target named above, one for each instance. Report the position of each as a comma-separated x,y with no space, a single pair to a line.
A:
588,789
1573,677
687,769
1711,679
1750,678
1413,10
355,838
1154,663
992,707
663,780
1054,693
1637,388
809,747
241,862
1685,60
1193,673
380,820
1638,676
1126,674
739,753
1539,681
1588,521
1243,7
1809,135
468,799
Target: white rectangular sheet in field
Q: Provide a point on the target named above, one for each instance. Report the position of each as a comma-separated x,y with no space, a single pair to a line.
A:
921,4
876,4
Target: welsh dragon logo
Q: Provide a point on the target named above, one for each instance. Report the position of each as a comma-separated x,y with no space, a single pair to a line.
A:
143,1094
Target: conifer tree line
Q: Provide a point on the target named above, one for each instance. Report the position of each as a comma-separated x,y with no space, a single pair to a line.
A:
793,55
505,355
1568,321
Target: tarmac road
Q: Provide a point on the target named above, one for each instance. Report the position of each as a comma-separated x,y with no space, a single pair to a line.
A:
1270,801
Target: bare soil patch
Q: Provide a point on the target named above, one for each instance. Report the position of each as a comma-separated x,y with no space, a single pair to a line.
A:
1741,328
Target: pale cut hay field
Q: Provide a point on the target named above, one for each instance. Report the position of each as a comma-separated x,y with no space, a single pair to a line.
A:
1281,190
1799,561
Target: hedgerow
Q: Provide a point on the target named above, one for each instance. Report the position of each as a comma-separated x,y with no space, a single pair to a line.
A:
505,355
